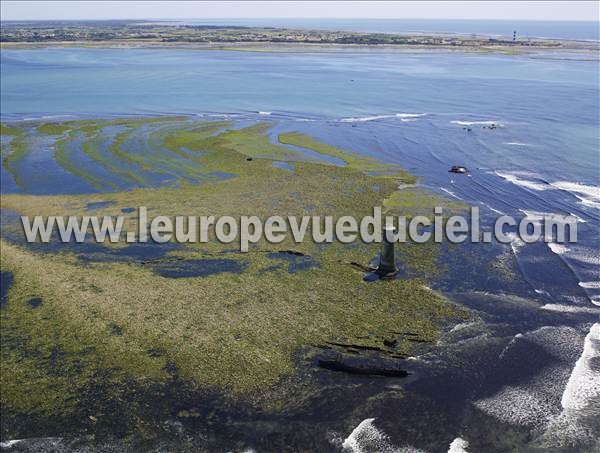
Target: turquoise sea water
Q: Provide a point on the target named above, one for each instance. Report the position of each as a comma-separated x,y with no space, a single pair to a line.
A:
544,102
425,111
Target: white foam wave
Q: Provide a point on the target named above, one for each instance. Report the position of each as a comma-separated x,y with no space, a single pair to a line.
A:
566,430
558,341
462,325
494,210
365,119
576,253
410,115
473,123
590,285
535,215
403,117
517,405
458,445
590,203
551,217
517,179
559,249
35,444
517,144
449,192
10,443
365,437
584,383
515,242
588,195
536,401
46,117
570,308
265,113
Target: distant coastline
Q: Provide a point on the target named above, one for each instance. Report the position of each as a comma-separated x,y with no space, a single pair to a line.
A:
237,37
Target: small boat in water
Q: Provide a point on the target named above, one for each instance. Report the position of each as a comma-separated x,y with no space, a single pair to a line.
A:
458,169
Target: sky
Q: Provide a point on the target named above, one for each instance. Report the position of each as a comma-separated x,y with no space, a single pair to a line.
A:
499,10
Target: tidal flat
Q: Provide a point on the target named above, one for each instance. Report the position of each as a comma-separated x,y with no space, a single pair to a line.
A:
181,347
115,347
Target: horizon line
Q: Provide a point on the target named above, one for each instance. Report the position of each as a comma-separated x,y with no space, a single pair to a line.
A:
164,19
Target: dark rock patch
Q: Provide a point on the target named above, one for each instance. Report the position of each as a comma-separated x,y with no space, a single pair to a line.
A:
371,365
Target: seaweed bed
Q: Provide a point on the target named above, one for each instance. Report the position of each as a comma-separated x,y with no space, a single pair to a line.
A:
101,339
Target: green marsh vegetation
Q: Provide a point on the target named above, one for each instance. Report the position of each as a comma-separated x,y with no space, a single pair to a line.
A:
233,332
53,128
13,151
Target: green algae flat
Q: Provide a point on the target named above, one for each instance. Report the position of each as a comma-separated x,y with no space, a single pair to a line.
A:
253,142
232,331
63,159
90,147
53,128
412,201
5,129
354,161
14,152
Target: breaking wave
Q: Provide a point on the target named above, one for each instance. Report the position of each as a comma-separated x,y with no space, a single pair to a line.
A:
517,144
584,383
556,218
473,123
588,195
590,285
402,116
535,401
366,438
449,192
518,179
515,242
583,255
458,445
571,309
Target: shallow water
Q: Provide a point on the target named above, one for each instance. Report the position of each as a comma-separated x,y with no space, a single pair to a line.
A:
498,382
197,268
